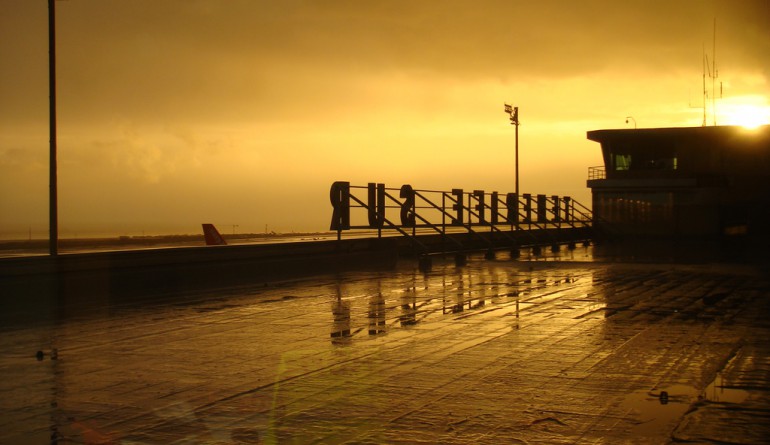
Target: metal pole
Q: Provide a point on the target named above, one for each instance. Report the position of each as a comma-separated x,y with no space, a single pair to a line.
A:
516,123
53,236
513,112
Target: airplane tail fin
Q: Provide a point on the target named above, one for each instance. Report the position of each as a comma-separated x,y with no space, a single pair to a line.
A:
212,236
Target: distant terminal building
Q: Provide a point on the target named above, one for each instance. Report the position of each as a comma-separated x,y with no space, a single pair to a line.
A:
693,181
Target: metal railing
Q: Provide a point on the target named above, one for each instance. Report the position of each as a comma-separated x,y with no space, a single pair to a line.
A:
598,172
491,219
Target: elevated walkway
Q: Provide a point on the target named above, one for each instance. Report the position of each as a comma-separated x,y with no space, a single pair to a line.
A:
458,222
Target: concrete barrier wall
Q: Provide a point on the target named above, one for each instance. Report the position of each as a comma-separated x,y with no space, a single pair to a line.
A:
161,270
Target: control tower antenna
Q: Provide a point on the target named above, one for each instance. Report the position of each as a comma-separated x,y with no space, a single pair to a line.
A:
711,70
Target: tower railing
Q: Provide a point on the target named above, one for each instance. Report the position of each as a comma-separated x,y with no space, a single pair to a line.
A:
598,172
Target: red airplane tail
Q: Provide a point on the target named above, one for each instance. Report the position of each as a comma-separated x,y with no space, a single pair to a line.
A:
212,236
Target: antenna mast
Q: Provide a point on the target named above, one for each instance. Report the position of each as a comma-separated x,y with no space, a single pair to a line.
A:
705,93
713,74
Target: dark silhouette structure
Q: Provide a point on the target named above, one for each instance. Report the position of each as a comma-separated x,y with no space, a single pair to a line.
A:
683,182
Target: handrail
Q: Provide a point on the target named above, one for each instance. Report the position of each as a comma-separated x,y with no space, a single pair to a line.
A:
394,226
458,209
598,172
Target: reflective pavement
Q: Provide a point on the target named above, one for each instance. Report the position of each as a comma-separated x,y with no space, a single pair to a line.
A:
536,351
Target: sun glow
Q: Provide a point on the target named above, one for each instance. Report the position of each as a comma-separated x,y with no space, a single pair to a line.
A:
749,112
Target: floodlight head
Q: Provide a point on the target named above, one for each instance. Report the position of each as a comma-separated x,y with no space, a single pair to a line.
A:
508,109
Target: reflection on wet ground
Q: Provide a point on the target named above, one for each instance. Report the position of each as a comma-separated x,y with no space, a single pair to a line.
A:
492,352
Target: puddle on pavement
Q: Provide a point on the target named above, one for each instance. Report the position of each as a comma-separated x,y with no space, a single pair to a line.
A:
655,409
718,392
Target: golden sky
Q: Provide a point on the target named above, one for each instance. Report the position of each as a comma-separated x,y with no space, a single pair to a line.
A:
243,112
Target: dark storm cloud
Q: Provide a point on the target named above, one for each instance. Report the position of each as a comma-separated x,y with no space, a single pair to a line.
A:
549,38
238,59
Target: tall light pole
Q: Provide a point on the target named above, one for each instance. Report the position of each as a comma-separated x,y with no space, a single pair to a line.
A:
631,118
514,113
53,213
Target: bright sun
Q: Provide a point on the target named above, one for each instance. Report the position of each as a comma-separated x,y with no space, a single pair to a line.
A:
749,114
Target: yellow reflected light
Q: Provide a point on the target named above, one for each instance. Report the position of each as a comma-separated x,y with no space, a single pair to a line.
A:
748,114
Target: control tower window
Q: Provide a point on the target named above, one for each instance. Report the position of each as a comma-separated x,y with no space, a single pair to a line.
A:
622,162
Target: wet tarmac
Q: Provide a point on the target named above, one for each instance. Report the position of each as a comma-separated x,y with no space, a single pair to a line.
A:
567,349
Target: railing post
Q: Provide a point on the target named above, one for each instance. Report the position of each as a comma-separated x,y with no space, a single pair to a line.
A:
495,208
541,209
443,221
458,207
480,205
512,203
375,206
527,208
556,210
